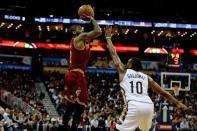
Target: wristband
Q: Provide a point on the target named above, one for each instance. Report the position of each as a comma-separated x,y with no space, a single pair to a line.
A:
108,37
91,19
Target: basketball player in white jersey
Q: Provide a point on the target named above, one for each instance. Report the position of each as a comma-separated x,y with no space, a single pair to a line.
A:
134,85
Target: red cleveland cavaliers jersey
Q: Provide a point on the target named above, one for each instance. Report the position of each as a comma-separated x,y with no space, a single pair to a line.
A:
79,58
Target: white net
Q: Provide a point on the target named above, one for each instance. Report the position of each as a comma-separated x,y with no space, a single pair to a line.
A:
176,90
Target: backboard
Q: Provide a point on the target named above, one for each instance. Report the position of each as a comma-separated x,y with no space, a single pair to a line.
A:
175,79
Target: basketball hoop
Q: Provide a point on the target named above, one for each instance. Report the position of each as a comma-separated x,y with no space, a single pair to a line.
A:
176,90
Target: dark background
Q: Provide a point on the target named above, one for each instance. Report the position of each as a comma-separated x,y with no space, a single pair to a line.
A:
149,10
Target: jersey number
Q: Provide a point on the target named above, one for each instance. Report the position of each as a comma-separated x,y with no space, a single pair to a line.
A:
138,86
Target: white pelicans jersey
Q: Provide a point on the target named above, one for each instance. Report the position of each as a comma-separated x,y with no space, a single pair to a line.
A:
135,86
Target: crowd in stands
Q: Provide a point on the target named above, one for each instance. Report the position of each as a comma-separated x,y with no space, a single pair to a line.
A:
14,120
21,84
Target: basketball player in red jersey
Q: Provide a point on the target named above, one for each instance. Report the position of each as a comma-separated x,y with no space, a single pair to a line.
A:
75,79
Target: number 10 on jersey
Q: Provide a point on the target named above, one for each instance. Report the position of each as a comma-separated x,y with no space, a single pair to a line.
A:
138,86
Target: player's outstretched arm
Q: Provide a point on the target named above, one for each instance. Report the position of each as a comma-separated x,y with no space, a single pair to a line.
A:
93,33
166,94
112,50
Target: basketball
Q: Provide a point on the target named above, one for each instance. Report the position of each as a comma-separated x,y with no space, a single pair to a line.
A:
85,10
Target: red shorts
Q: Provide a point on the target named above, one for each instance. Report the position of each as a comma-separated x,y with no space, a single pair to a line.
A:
76,87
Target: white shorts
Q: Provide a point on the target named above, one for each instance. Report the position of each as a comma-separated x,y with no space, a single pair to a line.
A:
139,114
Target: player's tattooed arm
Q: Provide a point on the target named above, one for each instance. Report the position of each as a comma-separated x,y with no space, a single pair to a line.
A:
96,32
112,50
